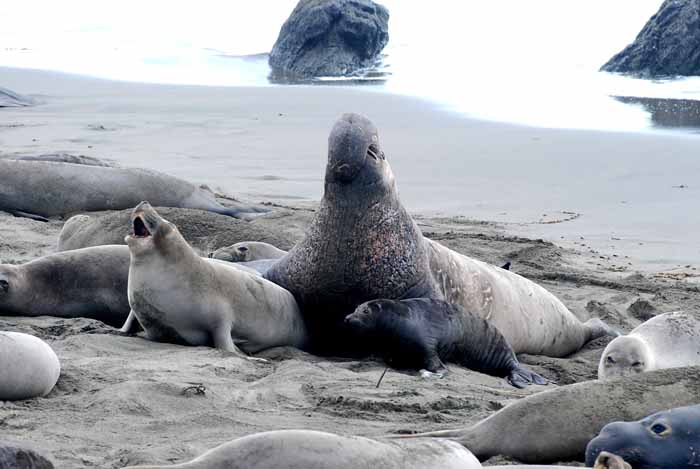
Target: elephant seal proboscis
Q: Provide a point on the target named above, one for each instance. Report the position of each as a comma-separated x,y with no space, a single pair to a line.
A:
248,251
46,189
666,439
89,283
304,449
668,340
363,245
20,456
423,333
28,367
607,460
179,297
556,425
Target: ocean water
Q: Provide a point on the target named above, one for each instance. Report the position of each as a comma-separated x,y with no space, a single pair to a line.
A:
529,62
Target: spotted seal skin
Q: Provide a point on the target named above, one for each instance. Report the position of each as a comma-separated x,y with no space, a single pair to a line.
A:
556,425
607,460
666,439
19,456
179,297
668,340
304,449
248,251
28,367
88,283
363,245
423,333
47,188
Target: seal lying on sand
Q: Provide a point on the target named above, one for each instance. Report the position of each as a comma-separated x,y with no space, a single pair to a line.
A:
556,425
180,297
28,367
89,283
607,460
422,333
48,189
247,251
667,439
14,456
363,245
303,449
665,341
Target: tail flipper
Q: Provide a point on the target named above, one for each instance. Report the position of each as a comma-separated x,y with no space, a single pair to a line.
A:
243,212
597,328
506,266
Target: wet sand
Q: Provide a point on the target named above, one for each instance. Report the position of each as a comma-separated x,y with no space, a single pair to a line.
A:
125,400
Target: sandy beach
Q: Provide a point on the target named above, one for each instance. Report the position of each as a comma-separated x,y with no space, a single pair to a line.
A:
592,216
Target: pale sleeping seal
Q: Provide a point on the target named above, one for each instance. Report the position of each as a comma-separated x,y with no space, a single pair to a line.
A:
306,449
423,333
665,341
179,297
668,439
247,251
556,425
88,283
363,245
46,189
28,367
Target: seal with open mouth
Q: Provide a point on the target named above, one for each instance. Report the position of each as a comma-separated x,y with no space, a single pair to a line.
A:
179,297
363,245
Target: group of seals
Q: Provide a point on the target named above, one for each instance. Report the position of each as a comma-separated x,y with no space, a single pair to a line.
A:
665,341
90,283
556,425
28,367
303,449
667,439
41,189
423,333
363,245
180,297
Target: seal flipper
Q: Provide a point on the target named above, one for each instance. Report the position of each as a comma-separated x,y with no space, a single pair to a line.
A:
31,216
506,266
131,325
223,341
521,377
597,328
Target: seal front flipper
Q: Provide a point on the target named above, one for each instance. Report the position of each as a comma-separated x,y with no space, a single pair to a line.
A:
31,216
521,377
131,325
223,341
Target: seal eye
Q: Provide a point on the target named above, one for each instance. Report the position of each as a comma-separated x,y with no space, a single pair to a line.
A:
4,286
659,429
610,360
637,364
242,248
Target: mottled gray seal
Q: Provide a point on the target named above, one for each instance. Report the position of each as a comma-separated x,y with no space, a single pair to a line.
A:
665,341
423,333
556,425
47,189
363,245
20,456
305,449
28,367
607,460
179,297
89,283
248,251
664,440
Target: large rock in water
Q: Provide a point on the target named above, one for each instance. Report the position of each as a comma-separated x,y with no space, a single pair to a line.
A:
669,44
330,38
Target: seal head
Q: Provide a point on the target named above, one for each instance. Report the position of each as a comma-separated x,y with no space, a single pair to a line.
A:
662,440
625,356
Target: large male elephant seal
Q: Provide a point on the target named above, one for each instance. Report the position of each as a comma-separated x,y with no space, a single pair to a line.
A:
20,456
89,283
363,245
557,425
28,367
665,341
667,439
421,333
303,449
46,189
179,297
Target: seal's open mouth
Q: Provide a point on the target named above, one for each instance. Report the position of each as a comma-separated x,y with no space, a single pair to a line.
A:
140,230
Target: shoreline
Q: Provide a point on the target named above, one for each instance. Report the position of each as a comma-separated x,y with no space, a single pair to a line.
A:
268,144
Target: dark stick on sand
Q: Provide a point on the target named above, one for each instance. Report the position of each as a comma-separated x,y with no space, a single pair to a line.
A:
382,377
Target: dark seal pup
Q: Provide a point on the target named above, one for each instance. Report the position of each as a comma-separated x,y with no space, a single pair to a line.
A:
15,456
423,333
363,245
667,439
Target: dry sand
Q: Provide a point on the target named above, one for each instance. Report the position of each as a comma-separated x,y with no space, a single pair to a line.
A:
125,400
